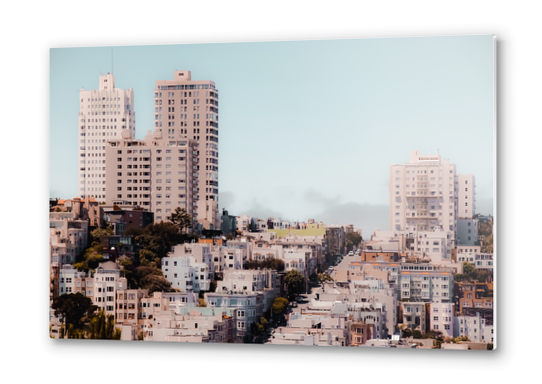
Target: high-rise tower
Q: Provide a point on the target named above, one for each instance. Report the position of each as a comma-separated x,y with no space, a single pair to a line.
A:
427,194
103,115
188,109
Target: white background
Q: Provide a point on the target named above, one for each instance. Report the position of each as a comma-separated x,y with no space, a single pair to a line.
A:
29,30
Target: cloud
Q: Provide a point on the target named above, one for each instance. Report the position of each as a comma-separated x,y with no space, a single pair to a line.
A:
365,216
334,211
313,197
311,204
258,210
226,199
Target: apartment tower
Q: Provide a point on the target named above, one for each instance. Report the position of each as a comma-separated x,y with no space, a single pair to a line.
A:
158,173
425,194
103,115
188,109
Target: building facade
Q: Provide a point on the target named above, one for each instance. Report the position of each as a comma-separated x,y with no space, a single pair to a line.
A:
467,232
442,318
68,237
474,327
466,200
103,115
189,109
157,174
124,217
414,316
424,194
107,281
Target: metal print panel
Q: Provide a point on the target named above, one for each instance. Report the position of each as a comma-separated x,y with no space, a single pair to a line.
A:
351,204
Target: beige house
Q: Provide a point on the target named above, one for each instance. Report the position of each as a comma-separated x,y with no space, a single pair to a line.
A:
414,315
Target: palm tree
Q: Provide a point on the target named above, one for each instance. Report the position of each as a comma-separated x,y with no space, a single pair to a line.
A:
103,327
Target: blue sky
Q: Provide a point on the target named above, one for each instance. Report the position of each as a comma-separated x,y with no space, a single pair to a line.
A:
308,129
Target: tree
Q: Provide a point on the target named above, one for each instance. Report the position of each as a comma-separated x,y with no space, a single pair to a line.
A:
181,219
353,239
279,305
269,263
482,276
458,277
470,273
100,232
416,334
103,327
90,258
469,270
407,332
126,263
459,339
323,277
133,231
431,334
486,230
262,326
74,308
258,328
435,335
147,257
201,303
213,285
155,283
490,346
295,283
313,276
487,245
164,235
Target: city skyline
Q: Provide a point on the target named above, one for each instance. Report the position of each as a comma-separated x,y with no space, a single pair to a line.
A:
319,152
316,131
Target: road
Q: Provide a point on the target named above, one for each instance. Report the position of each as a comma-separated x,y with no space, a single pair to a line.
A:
307,297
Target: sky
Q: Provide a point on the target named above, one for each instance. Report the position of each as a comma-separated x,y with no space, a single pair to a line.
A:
307,129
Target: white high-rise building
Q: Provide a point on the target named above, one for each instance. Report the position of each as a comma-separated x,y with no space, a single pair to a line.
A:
103,114
186,108
424,194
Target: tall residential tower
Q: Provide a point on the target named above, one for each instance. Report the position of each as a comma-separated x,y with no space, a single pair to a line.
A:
426,194
103,115
157,173
188,109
